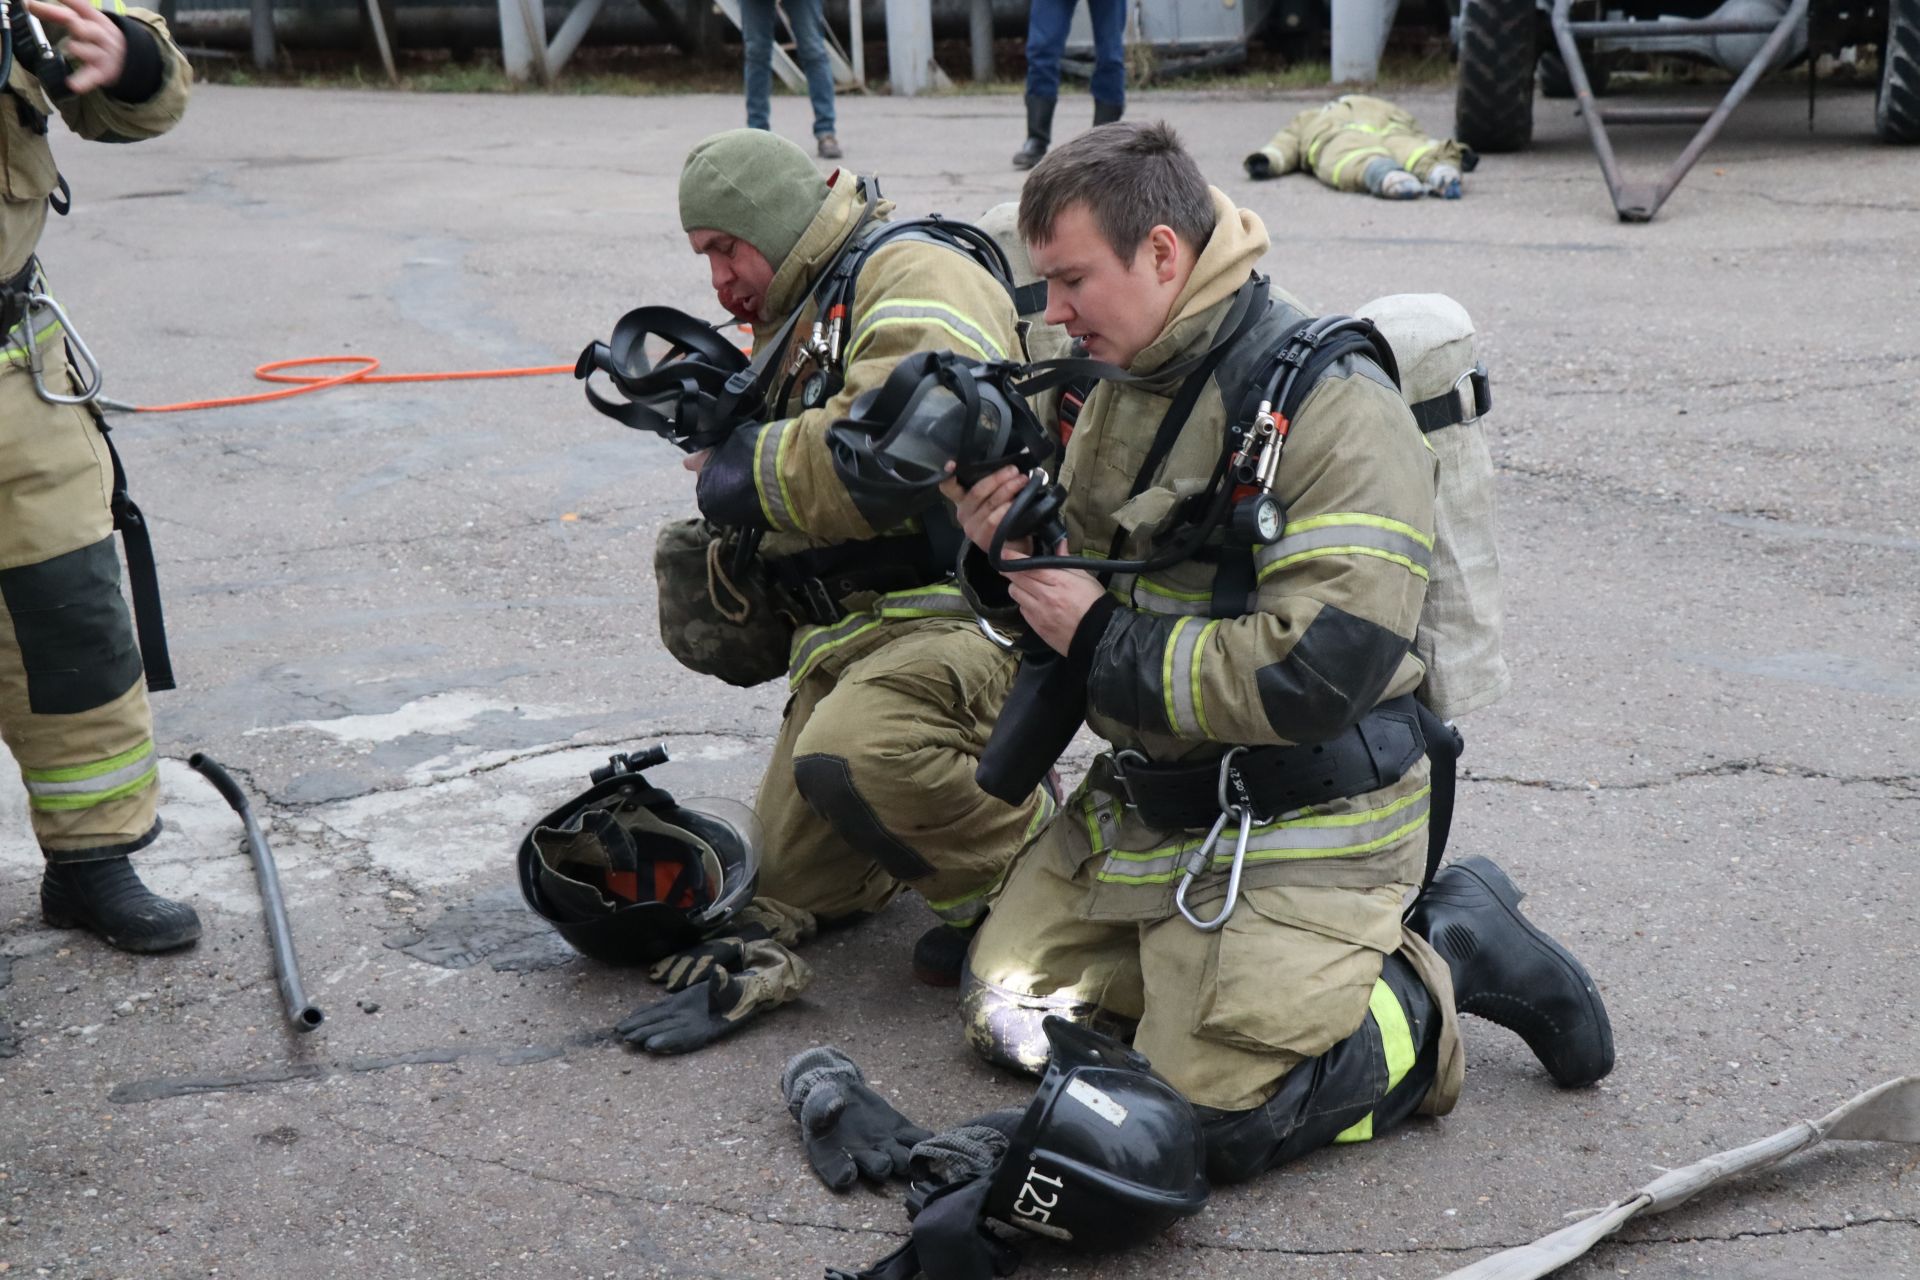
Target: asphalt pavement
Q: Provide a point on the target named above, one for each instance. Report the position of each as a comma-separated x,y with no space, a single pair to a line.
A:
412,617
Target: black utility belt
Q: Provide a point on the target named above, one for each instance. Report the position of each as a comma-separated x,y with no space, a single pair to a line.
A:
817,584
1269,781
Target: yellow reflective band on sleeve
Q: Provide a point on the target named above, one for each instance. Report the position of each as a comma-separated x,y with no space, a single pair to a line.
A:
1396,1043
923,311
767,482
1347,533
1199,695
1351,156
1414,159
1168,685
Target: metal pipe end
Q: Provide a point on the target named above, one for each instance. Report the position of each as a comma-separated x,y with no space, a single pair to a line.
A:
309,1018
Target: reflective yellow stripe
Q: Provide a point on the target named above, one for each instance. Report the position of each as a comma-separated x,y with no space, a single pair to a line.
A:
924,602
1360,519
1166,673
1396,1044
1414,159
82,772
1417,570
1199,696
895,311
823,640
68,801
1287,840
1351,156
16,352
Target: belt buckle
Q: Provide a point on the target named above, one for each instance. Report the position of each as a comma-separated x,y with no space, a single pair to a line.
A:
818,602
1120,774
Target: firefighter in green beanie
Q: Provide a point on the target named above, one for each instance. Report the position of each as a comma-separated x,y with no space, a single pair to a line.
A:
893,689
1357,143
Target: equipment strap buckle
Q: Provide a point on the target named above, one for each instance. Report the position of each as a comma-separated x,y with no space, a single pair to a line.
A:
1241,812
1474,393
1120,761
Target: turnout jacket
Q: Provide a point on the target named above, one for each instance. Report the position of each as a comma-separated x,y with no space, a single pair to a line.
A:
148,101
1327,632
797,476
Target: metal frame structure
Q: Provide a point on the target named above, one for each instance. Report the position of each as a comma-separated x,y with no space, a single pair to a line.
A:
1639,201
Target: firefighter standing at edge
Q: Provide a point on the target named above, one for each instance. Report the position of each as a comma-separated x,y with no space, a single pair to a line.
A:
1314,1015
73,697
870,786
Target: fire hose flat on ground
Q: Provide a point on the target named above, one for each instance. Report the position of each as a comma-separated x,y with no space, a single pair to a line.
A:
1888,1113
301,1012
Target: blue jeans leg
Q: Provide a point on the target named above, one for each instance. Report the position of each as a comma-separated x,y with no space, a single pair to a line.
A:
1109,50
756,29
810,46
1047,24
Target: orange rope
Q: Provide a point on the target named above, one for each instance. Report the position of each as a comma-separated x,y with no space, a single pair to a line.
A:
305,384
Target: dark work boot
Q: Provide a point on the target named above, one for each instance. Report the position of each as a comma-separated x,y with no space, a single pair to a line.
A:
1039,131
107,898
1107,112
941,953
1508,971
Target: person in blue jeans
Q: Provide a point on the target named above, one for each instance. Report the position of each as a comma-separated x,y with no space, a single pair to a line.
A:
810,50
1047,23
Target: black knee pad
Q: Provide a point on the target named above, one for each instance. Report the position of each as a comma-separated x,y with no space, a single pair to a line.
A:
826,784
76,637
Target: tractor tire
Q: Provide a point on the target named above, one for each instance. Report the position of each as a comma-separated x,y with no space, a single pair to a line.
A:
1556,83
1493,103
1896,116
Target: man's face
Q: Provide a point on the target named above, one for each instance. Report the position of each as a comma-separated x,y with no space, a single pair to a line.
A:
741,274
1116,309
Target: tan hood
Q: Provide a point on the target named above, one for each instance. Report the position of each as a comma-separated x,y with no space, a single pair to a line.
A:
1238,242
821,240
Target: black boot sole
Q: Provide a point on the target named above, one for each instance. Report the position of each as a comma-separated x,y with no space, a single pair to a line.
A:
1519,1015
184,935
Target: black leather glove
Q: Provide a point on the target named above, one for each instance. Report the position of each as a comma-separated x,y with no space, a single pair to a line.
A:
726,493
850,1131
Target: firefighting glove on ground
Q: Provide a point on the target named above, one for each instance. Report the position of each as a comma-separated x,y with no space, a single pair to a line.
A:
850,1131
1443,180
758,921
719,1005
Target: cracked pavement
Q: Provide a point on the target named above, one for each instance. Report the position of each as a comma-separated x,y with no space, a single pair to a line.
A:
410,618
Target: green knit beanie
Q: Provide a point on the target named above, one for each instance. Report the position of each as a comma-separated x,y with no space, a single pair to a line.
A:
753,185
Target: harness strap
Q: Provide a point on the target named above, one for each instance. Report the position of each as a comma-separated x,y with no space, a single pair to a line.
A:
1444,745
143,579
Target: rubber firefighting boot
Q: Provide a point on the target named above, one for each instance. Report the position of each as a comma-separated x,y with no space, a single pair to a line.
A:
107,898
1508,971
1039,131
941,953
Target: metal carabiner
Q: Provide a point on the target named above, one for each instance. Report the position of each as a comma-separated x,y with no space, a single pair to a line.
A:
1203,856
89,384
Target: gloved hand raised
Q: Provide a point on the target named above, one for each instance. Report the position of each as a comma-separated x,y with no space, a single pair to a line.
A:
850,1131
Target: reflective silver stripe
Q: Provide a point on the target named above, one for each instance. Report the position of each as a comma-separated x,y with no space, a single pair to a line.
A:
921,311
1178,674
924,602
767,448
1149,597
1362,535
1288,839
140,764
813,642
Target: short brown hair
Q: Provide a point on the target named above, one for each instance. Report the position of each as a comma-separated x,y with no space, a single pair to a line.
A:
1132,178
